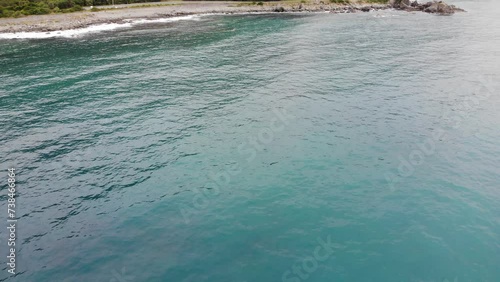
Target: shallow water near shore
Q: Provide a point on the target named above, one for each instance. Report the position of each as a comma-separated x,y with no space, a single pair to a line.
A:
230,148
92,29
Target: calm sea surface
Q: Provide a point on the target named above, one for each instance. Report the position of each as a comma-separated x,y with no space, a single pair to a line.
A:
295,147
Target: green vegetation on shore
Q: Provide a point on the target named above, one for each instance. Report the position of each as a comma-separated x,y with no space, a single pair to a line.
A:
18,8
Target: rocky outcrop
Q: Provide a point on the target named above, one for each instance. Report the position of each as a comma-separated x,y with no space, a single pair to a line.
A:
436,7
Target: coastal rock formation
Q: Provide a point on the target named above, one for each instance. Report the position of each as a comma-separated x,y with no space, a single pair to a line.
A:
436,7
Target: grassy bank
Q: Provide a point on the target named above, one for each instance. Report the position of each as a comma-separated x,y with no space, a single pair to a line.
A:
18,8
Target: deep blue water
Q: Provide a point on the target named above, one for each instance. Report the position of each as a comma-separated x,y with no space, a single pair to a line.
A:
304,147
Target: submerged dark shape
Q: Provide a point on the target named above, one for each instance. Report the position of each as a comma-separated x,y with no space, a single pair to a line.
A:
434,7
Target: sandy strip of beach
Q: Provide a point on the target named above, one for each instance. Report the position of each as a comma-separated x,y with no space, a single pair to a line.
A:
120,13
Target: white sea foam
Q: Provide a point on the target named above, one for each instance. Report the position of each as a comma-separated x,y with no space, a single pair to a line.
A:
163,20
91,29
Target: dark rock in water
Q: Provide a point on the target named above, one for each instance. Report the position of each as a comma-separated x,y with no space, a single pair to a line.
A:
365,9
457,9
401,4
432,8
440,8
436,7
350,10
426,5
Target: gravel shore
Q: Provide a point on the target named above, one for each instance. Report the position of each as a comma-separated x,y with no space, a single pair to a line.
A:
121,13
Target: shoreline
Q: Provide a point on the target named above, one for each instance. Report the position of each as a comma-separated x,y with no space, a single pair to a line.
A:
126,14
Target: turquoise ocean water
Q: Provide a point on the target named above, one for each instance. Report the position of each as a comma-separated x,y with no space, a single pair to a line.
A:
295,147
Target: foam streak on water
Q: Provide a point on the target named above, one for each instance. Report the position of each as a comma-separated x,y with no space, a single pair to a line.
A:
91,29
